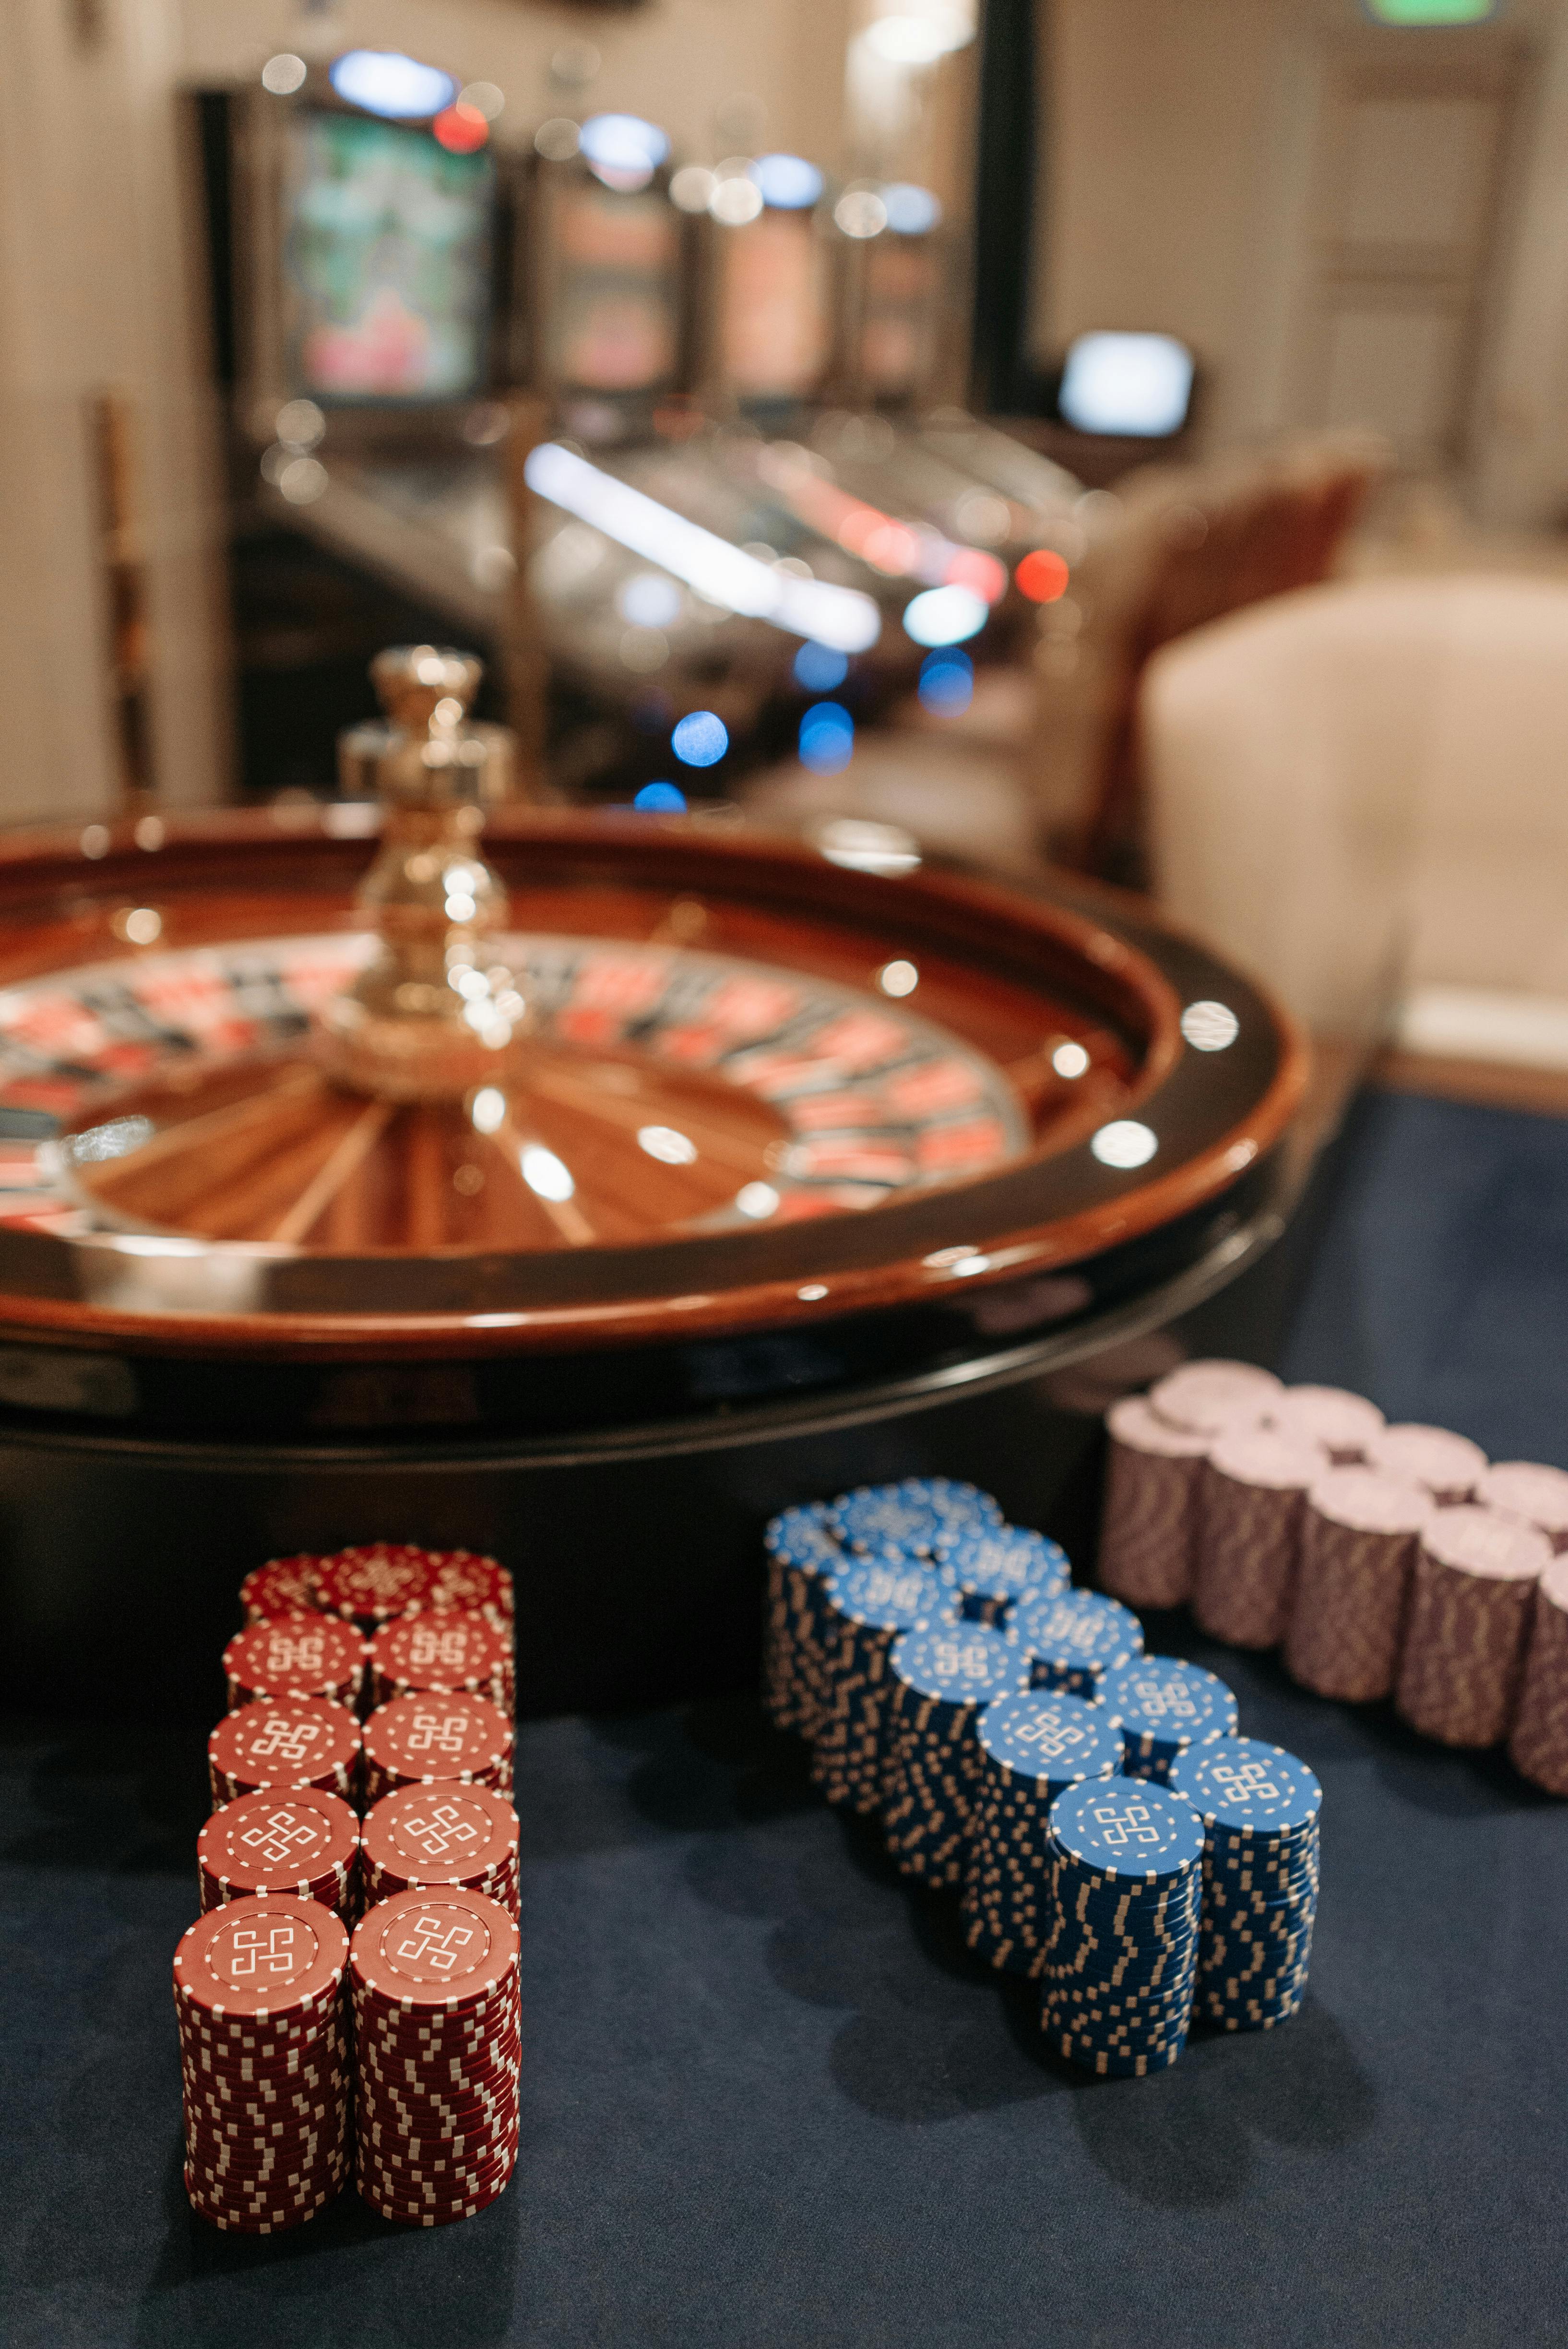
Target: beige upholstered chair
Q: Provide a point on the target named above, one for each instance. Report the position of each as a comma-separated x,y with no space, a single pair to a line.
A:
1368,783
1186,544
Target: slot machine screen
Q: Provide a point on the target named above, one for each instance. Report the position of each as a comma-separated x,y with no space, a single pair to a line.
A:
387,262
774,326
614,318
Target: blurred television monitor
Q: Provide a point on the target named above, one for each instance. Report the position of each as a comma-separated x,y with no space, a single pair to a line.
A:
1135,386
384,243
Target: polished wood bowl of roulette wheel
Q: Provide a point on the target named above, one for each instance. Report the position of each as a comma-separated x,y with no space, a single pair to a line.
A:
579,1187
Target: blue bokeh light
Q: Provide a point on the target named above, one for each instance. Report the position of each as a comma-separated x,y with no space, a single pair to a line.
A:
819,668
701,739
827,738
946,682
660,799
788,182
383,81
911,211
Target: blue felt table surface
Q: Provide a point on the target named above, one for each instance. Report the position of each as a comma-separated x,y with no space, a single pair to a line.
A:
768,2099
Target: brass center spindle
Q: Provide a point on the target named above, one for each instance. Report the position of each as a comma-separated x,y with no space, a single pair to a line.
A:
437,1012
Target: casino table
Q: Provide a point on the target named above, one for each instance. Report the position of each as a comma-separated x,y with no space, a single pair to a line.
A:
766,2097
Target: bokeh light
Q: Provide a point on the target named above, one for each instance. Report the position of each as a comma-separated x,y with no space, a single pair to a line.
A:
946,682
660,799
946,615
1042,576
827,738
701,739
819,669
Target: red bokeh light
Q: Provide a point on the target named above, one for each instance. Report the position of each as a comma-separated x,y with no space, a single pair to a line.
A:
1042,576
460,129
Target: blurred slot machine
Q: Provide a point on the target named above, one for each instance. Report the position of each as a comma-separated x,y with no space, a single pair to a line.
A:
371,243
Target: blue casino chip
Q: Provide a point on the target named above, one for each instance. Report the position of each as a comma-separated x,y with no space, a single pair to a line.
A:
803,1537
918,1515
993,1569
967,1663
1072,1641
888,1595
1165,1706
1047,1738
1249,1789
1126,1829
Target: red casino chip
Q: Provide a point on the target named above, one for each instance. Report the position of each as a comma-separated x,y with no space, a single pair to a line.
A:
293,1743
371,1584
435,1981
451,1651
463,1579
301,1654
264,2073
273,1956
282,1587
424,1740
307,1844
423,1837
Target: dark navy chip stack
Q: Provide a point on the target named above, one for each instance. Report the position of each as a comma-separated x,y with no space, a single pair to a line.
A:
1126,1879
995,1569
1166,1707
1033,1745
1072,1641
1259,1808
939,1682
921,1515
867,1605
802,1554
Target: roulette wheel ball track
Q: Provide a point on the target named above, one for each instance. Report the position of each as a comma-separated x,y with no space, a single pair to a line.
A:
792,1227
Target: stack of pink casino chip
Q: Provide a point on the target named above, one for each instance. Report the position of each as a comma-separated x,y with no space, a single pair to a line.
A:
284,1585
1521,1489
1150,1505
1344,1425
1473,1595
1448,1466
1209,1396
1358,1538
1538,1741
1249,1511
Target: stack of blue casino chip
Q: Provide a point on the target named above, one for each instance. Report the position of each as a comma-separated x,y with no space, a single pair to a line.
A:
866,1606
938,1684
998,1567
801,1554
1033,1745
921,1515
1127,1879
1166,1708
1260,1809
1072,1641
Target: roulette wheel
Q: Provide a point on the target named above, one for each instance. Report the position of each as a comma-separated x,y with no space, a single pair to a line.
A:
580,1193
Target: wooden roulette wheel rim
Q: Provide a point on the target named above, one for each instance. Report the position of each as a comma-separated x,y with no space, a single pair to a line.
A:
1052,1232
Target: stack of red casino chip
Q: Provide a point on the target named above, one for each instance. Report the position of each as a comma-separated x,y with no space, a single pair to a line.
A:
1250,1508
437,2019
463,1579
264,2060
1539,1495
295,1655
425,1839
284,1741
371,1584
1358,1539
421,1741
284,1585
1209,1396
305,1844
1150,1505
1447,1466
1472,1596
453,1651
1344,1425
1538,1743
